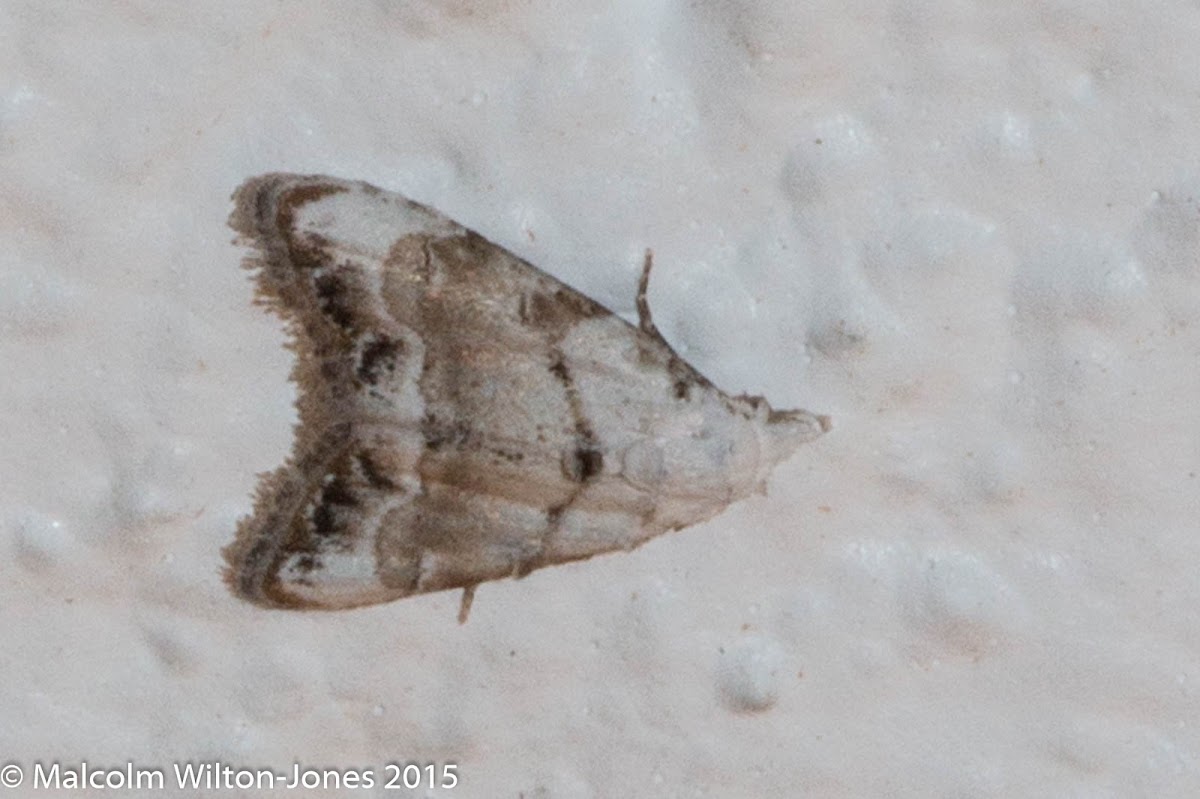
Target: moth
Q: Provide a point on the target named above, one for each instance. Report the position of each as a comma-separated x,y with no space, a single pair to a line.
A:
463,416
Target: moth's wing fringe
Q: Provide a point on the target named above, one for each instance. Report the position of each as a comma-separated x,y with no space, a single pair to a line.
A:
252,555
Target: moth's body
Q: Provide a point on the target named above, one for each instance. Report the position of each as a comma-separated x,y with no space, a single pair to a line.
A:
464,416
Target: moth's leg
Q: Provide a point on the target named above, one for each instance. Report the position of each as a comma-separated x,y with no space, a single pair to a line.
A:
464,607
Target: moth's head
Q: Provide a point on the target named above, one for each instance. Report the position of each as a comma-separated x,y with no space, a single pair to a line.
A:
722,451
783,432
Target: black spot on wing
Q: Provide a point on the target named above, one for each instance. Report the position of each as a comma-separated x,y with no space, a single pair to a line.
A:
559,369
380,356
334,300
584,463
326,513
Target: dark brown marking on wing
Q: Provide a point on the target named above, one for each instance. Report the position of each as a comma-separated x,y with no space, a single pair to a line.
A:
509,455
460,254
440,435
586,460
335,299
582,463
382,354
557,310
308,250
326,516
373,473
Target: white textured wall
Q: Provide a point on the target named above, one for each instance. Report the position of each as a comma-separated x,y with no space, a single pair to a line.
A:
970,234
